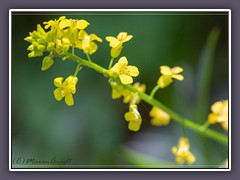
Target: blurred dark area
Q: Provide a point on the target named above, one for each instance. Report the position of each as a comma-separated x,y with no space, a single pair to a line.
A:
93,131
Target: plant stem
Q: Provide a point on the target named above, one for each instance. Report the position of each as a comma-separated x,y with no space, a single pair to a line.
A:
73,50
155,89
89,59
110,64
152,101
205,125
78,68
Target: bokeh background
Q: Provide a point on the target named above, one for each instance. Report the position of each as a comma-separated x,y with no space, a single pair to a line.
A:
93,132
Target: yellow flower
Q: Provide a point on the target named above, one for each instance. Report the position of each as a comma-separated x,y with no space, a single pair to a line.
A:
72,23
219,114
168,74
182,152
53,23
116,44
124,71
117,90
159,117
134,118
129,95
65,89
86,42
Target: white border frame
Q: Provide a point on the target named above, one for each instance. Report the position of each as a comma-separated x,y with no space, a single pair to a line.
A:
119,10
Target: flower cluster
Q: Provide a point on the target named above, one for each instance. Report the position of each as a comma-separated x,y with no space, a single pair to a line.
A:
219,114
182,152
58,36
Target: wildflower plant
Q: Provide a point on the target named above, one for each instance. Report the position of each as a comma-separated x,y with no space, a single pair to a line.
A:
62,37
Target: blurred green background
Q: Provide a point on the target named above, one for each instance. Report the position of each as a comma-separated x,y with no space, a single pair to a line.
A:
93,132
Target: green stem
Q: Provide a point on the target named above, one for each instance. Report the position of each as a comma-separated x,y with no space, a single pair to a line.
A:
155,89
205,125
73,50
110,64
78,68
134,100
89,59
152,101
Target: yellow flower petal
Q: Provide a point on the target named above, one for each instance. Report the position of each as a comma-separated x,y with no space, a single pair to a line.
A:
130,116
178,77
129,37
165,70
134,126
110,38
58,81
115,52
174,150
58,94
69,99
95,37
65,23
224,125
164,81
123,61
82,34
133,71
114,42
125,79
82,24
115,70
122,36
179,160
212,118
115,94
160,117
217,107
190,158
177,70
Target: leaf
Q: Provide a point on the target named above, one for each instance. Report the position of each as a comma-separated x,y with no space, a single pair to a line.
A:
204,75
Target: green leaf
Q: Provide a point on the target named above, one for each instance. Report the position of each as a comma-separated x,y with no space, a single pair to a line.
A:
204,76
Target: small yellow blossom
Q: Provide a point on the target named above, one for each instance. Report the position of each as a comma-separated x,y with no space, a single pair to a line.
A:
53,23
182,152
129,95
65,89
219,114
72,23
168,74
86,42
134,118
159,117
116,44
124,71
117,90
